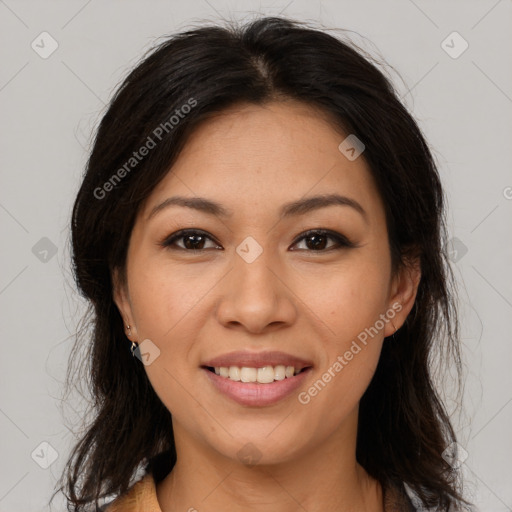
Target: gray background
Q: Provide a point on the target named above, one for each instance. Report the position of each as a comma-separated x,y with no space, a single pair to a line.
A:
50,107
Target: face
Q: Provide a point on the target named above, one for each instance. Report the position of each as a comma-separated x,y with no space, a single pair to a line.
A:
255,275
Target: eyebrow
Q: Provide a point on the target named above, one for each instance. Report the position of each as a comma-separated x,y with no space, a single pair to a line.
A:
299,207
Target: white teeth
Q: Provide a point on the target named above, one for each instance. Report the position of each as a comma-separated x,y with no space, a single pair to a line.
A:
234,373
264,375
248,374
279,372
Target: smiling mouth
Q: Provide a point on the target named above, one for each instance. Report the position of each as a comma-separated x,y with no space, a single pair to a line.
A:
261,375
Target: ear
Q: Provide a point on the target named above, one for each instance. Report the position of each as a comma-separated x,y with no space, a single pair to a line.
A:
122,300
404,288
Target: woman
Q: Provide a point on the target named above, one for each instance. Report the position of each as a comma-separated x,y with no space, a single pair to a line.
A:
262,223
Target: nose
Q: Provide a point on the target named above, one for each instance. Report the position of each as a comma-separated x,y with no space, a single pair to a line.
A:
256,296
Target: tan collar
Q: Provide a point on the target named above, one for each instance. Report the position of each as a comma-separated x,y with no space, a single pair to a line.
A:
142,497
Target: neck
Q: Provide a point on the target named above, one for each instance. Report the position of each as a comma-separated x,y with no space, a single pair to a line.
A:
327,478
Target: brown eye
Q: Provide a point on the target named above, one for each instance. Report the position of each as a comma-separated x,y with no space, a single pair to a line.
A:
192,240
317,240
314,241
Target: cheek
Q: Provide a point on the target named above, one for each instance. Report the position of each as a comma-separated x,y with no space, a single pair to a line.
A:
338,388
351,348
163,299
161,315
349,299
349,304
166,303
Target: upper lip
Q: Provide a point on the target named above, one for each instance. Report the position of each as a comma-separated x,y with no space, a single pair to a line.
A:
257,360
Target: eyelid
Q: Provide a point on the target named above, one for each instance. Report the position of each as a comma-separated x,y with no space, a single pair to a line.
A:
341,240
167,242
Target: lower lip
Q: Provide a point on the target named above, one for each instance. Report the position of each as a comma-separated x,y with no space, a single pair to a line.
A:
256,394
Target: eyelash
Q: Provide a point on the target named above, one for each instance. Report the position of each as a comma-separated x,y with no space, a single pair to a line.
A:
342,241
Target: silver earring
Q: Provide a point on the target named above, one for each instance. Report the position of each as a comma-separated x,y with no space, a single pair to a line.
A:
134,346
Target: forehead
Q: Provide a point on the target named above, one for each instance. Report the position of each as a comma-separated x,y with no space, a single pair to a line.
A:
266,154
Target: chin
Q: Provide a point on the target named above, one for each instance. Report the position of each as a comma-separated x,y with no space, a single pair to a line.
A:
260,449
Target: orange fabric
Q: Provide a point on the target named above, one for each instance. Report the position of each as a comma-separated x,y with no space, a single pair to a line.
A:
141,497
